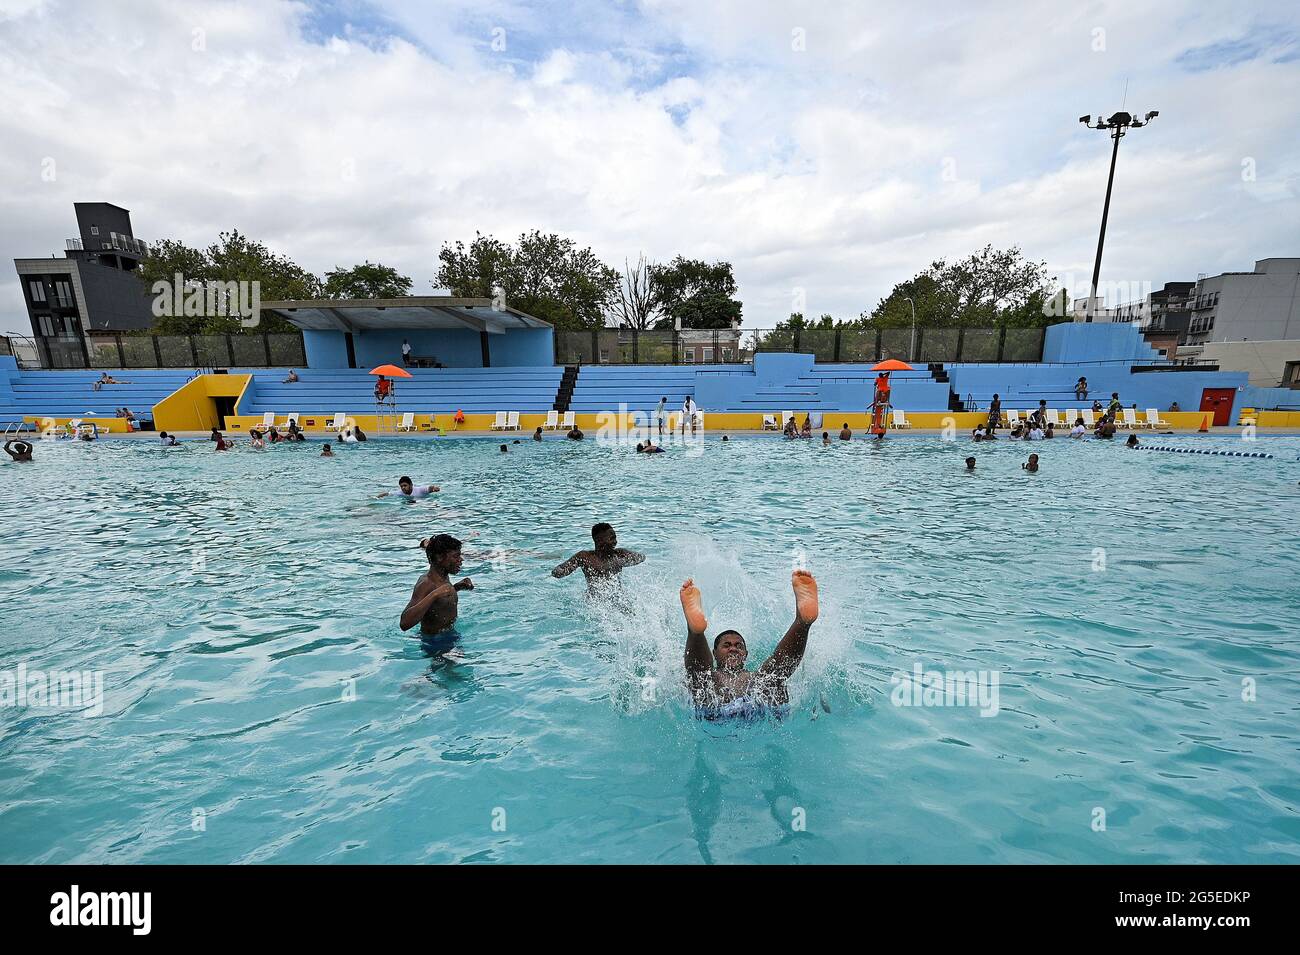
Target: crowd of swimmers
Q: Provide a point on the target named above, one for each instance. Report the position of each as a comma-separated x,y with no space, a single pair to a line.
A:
1039,427
720,684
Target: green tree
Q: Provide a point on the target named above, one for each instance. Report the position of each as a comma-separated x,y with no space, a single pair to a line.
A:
986,289
782,336
698,293
366,281
545,275
232,258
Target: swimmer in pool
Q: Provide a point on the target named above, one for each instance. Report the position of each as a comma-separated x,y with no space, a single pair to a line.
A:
412,492
326,452
436,600
1032,464
20,451
603,563
718,681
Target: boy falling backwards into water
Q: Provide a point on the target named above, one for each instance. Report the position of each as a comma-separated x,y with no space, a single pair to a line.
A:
719,682
602,564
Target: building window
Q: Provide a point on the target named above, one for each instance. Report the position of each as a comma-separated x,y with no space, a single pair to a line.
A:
726,354
1291,375
69,326
63,294
708,355
94,230
46,323
37,289
690,355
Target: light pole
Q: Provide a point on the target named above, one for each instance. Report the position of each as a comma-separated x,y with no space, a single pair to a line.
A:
1117,124
911,352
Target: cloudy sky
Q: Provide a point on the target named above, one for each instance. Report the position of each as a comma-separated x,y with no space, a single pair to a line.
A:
828,150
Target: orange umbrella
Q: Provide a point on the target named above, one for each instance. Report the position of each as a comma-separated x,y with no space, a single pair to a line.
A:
892,364
391,370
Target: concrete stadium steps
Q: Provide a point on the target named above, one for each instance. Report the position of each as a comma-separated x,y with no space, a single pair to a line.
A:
428,390
639,387
1021,386
64,394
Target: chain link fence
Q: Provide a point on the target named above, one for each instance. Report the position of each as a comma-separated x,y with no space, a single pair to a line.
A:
610,346
170,351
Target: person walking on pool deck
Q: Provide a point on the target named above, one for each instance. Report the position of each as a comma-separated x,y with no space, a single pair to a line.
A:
435,602
411,492
718,682
603,563
688,413
995,413
661,415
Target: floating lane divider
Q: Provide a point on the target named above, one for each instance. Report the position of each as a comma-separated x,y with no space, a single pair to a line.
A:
1223,454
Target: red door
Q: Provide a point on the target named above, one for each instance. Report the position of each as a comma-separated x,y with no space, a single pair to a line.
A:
1218,400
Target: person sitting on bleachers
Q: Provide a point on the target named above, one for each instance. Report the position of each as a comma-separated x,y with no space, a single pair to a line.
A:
293,376
107,379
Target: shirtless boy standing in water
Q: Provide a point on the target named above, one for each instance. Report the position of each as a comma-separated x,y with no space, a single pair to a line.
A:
719,682
435,601
602,564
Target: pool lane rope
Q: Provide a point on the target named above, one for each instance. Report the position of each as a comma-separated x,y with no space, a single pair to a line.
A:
1224,454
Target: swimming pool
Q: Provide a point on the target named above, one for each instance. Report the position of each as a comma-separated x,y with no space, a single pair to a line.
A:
261,705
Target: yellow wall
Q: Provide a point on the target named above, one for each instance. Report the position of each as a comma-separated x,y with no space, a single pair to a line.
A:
191,408
716,422
44,422
1277,419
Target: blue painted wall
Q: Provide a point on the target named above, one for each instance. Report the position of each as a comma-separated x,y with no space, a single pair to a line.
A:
526,346
325,349
1092,341
455,348
1022,386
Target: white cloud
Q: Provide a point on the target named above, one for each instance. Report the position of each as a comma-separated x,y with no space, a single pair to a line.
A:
668,127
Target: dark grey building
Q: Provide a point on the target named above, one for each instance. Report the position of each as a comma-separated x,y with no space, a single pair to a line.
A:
91,292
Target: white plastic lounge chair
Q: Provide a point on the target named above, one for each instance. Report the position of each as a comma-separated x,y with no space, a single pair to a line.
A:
340,421
1071,416
499,424
699,419
552,420
268,419
1153,419
1013,417
1053,418
769,422
900,418
291,419
1131,418
408,421
786,416
816,420
570,420
1089,421
512,421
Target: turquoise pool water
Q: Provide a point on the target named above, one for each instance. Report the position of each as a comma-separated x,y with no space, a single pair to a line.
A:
234,604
